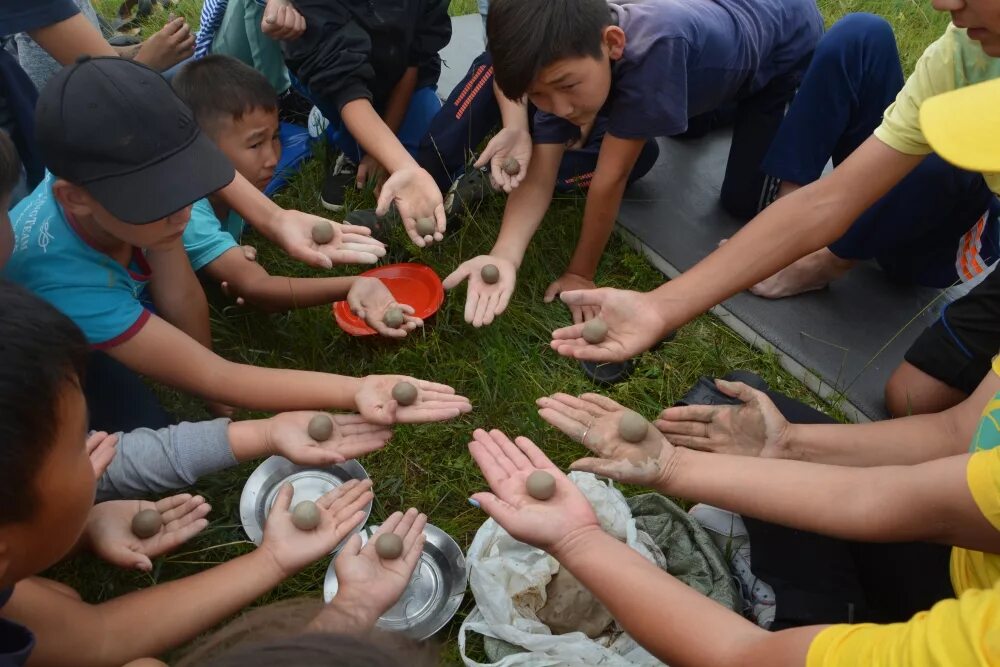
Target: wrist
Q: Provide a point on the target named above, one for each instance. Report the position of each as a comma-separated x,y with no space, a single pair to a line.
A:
670,460
509,254
268,566
577,541
789,442
250,439
581,270
345,613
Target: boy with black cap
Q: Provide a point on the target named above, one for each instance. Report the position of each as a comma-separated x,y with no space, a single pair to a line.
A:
127,160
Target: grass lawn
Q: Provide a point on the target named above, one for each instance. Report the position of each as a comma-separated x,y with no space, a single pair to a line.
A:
502,368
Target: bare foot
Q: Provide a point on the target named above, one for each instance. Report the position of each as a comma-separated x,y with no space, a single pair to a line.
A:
812,272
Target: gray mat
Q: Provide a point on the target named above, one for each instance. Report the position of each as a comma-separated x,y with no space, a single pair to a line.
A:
467,42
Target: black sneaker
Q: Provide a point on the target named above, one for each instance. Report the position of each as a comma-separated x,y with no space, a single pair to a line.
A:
467,192
609,373
294,108
365,217
341,177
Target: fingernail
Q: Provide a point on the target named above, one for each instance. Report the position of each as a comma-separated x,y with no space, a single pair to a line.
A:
474,503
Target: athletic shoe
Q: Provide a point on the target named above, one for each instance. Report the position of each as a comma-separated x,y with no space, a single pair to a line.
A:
342,176
467,192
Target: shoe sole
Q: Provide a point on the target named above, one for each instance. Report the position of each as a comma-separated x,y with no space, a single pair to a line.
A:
336,208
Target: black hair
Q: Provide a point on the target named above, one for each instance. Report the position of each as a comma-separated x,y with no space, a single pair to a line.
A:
41,353
526,36
221,87
10,166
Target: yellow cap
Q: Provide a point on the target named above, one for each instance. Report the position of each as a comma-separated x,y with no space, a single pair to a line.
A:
963,126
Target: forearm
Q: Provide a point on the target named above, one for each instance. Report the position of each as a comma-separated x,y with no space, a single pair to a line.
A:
399,99
513,113
375,137
177,294
252,205
279,390
68,40
527,205
603,201
281,293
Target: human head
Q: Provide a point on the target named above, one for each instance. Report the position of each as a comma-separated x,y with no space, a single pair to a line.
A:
237,108
10,174
46,479
125,150
980,17
556,52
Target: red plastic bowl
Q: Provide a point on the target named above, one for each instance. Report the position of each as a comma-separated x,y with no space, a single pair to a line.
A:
412,284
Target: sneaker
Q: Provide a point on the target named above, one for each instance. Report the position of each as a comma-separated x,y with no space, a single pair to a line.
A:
341,177
366,217
467,192
607,374
294,108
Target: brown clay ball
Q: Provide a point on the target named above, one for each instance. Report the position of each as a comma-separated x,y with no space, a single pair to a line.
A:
322,233
393,317
389,546
320,428
511,167
595,331
305,516
404,393
490,274
146,523
540,485
632,427
426,226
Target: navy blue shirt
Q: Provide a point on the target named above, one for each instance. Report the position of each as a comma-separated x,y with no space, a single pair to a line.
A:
26,15
684,58
16,641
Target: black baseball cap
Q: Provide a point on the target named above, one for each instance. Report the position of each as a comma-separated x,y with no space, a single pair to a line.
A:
117,129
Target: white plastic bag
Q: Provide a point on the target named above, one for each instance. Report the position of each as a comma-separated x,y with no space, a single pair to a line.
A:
508,580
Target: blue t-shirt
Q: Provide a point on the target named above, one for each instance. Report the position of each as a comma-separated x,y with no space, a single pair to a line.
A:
206,237
16,641
54,259
24,15
684,58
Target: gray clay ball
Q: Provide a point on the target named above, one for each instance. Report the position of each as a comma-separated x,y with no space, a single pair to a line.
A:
305,516
393,317
511,167
595,331
146,523
541,485
632,427
426,226
404,393
320,428
389,546
490,274
322,233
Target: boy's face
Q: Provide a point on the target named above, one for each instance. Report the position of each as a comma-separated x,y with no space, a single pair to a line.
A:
981,17
252,144
577,88
6,231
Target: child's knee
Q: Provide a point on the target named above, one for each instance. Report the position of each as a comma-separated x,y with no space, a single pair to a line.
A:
853,31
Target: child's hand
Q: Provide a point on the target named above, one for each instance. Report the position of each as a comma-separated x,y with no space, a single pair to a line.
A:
173,43
435,402
568,282
109,529
101,449
369,298
351,244
416,196
634,321
547,524
249,252
592,420
281,21
484,302
508,142
369,169
287,434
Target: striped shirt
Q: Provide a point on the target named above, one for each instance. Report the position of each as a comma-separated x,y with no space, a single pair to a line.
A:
212,13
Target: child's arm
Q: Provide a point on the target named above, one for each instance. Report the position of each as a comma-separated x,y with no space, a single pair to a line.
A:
177,294
395,111
512,141
71,38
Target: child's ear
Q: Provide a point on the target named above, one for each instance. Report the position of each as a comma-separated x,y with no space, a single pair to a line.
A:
614,41
73,198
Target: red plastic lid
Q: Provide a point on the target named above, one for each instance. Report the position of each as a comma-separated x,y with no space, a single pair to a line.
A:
412,284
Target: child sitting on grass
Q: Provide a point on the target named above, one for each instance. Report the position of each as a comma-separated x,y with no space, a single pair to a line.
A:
127,160
237,108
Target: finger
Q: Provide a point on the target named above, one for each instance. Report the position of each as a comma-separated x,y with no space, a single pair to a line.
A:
351,548
689,442
588,297
491,307
582,416
343,495
414,532
697,429
170,540
503,300
312,455
472,298
492,445
364,245
551,292
428,386
349,256
416,549
511,451
492,471
689,413
426,415
303,252
284,497
568,333
499,510
362,175
599,403
456,277
388,526
94,439
405,523
577,314
442,221
477,319
190,513
534,453
131,560
385,199
593,409
602,468
578,349
173,507
348,230
410,225
739,390
364,445
386,331
574,428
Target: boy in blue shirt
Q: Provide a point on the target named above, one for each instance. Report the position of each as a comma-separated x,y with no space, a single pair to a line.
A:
237,108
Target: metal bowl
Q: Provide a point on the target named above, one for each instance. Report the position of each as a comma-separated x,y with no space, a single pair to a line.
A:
434,593
310,483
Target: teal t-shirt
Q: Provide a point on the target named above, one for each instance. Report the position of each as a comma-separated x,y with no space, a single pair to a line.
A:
206,237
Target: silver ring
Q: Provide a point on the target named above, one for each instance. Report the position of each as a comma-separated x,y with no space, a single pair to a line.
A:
583,438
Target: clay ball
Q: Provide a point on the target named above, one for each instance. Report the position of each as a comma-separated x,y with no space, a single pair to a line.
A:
540,485
389,546
595,331
490,274
511,167
393,317
320,428
146,523
426,226
305,516
404,393
322,233
632,427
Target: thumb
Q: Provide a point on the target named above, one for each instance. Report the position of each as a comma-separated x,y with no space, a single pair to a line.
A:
385,199
362,175
456,277
352,548
126,558
284,499
486,156
497,509
309,256
142,563
551,292
600,467
744,392
584,297
354,303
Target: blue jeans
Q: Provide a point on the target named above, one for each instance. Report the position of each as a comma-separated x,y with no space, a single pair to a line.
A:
917,230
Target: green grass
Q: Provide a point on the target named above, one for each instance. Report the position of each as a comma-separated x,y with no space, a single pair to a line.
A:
502,368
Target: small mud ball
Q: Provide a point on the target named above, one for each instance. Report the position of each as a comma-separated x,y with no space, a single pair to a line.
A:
426,226
305,516
632,427
490,274
393,317
595,331
389,546
146,523
511,167
540,485
322,233
404,393
320,428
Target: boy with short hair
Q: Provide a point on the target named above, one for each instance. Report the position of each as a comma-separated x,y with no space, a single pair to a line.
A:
127,159
237,108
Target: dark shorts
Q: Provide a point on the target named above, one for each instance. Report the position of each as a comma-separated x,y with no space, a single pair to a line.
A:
959,348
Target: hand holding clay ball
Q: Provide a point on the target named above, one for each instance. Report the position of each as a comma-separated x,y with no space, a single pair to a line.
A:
320,428
389,546
540,485
595,331
632,427
393,317
404,393
426,226
490,274
511,167
322,233
305,516
146,523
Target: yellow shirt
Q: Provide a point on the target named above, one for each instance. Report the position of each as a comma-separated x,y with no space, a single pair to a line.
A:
954,61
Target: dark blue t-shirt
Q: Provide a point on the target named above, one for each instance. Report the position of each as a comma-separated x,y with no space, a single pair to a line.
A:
16,641
684,58
25,15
